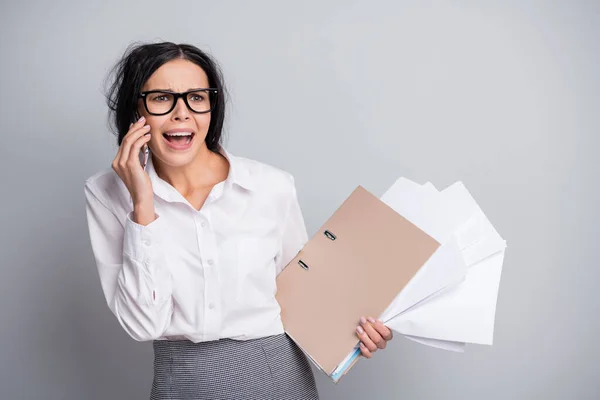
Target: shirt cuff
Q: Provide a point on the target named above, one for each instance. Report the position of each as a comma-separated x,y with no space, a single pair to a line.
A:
143,243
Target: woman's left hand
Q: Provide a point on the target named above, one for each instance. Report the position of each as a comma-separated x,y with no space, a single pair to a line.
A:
373,335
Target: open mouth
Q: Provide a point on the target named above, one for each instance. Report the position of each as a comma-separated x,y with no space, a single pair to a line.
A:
179,140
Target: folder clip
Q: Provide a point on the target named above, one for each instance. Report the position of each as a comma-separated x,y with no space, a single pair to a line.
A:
329,235
303,264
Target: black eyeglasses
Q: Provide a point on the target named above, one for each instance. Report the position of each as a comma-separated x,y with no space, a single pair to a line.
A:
161,102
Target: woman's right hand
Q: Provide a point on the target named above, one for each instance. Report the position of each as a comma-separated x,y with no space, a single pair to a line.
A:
127,164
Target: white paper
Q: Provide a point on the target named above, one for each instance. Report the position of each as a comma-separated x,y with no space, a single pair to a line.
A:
464,313
444,268
459,312
476,236
402,187
424,206
457,347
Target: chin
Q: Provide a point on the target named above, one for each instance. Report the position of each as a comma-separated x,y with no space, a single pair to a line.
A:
178,152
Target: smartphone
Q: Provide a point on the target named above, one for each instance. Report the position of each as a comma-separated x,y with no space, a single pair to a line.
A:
144,154
145,150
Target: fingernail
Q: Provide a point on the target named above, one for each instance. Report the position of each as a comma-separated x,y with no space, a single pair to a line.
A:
371,320
146,126
147,134
363,320
141,119
360,330
131,124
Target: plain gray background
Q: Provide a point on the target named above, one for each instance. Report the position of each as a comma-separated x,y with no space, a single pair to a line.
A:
503,96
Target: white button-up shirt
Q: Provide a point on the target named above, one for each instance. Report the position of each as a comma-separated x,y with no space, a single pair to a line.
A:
198,275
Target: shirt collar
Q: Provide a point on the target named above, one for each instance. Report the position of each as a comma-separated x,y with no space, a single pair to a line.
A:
238,175
238,171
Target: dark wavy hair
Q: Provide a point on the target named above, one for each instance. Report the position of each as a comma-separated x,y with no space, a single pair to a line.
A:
128,75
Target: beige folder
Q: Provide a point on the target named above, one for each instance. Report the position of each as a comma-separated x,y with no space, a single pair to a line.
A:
354,266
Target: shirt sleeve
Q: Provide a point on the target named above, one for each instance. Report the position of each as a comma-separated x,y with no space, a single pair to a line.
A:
294,235
131,264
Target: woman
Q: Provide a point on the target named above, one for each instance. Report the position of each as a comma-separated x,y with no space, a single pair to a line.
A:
188,247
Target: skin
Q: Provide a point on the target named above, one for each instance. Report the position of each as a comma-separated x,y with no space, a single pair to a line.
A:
193,172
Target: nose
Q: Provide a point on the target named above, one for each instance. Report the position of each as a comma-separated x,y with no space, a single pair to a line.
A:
180,112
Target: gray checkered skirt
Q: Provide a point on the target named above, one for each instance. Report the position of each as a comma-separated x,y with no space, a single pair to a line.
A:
270,368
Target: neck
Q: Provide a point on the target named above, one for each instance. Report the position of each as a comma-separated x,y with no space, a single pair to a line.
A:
204,171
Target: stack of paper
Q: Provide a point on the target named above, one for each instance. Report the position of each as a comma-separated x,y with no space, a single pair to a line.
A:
452,299
427,262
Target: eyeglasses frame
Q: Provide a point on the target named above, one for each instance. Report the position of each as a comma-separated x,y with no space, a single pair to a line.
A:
176,95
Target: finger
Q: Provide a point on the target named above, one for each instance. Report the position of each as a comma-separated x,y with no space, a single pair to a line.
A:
129,140
136,125
364,338
373,334
136,147
117,157
115,163
135,132
133,128
385,332
364,351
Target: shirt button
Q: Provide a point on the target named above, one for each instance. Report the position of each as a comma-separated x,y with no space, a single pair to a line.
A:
146,243
203,224
210,262
211,305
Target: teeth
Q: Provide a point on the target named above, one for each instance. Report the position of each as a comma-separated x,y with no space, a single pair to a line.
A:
179,134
